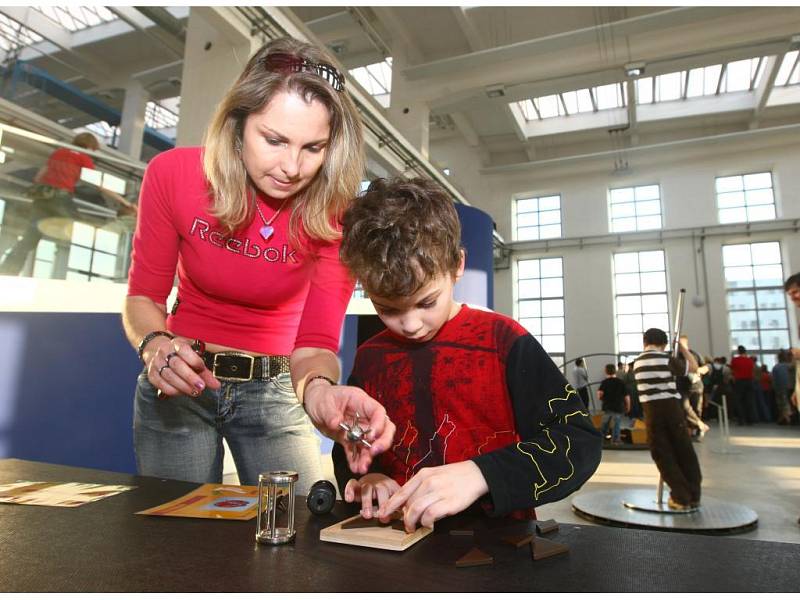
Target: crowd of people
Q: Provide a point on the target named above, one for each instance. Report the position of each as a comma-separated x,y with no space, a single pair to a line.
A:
753,392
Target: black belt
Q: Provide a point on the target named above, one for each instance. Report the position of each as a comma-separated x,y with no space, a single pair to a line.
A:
236,366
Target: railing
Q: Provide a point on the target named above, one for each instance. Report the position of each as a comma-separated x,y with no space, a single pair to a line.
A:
592,403
724,425
51,232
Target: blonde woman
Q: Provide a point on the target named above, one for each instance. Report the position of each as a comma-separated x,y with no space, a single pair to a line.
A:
250,222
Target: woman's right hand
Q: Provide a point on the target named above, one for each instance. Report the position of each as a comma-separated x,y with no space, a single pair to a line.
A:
328,406
175,369
372,486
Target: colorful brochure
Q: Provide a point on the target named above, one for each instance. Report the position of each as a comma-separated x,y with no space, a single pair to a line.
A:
211,501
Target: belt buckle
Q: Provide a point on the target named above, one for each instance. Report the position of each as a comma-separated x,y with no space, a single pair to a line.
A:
234,378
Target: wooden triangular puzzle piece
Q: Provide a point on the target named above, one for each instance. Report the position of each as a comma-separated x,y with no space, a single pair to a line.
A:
544,548
543,527
518,540
474,558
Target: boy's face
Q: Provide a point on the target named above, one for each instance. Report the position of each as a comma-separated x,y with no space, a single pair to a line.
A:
420,317
794,294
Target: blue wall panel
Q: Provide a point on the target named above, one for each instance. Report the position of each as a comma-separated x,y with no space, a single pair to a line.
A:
66,389
477,284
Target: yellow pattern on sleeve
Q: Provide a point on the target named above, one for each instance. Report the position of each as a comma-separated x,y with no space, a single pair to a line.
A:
569,468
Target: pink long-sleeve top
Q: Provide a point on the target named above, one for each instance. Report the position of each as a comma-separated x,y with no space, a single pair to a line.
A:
240,291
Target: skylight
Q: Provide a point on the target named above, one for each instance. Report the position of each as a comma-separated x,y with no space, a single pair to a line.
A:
585,100
75,18
738,76
376,79
789,72
14,36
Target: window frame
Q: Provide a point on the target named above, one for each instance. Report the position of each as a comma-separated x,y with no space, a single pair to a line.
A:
635,202
666,293
515,214
744,192
754,289
558,357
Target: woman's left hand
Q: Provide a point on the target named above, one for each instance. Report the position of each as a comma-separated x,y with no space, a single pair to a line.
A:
330,405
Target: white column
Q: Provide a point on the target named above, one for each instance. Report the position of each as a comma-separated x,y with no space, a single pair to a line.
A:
218,46
131,127
408,115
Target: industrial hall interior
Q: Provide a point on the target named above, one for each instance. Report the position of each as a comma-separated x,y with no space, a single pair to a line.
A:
522,281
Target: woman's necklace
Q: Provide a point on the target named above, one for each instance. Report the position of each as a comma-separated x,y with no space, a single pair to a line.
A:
268,230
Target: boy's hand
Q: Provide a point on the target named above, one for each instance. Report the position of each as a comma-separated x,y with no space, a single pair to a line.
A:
329,405
373,486
436,492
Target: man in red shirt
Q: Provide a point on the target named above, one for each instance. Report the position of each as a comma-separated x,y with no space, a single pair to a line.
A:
52,192
743,391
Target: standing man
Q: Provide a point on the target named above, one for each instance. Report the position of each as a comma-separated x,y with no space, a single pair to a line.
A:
581,379
616,402
670,446
743,390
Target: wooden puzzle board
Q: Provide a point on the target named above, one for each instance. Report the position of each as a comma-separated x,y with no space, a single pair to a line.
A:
374,535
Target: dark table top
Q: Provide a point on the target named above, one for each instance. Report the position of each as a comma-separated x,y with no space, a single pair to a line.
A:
104,547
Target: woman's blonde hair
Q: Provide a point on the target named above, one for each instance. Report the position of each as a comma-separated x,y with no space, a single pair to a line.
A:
318,207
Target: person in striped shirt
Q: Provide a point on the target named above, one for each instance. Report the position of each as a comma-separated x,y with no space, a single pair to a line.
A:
655,370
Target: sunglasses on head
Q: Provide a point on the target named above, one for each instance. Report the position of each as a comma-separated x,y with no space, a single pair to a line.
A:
282,62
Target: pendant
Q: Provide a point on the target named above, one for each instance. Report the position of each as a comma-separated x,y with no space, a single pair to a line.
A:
266,232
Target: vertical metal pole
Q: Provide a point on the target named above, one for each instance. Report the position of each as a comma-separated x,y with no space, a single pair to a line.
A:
290,526
678,322
726,432
273,513
262,506
676,334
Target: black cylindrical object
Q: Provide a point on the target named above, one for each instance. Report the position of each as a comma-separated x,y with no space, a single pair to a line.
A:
321,497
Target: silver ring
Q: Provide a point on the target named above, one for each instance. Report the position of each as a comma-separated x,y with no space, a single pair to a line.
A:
161,369
169,357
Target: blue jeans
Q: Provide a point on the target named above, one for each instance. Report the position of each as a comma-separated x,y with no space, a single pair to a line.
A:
617,421
263,422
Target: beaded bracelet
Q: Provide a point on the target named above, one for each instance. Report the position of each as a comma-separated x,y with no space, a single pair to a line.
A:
310,379
150,337
325,377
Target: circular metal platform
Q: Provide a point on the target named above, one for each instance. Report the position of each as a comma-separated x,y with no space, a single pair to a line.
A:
715,517
626,446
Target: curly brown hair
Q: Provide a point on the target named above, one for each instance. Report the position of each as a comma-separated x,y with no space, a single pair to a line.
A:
399,235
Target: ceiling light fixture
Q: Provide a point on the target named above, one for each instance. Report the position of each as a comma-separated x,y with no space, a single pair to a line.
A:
496,91
634,69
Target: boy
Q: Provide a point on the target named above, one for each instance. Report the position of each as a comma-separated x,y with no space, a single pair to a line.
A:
670,446
616,402
482,413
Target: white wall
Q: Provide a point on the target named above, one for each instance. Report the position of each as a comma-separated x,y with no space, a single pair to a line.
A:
686,176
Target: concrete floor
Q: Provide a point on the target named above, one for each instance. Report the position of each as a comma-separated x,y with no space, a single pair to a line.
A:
762,472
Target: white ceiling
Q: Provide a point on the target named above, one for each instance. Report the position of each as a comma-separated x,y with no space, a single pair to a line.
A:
452,54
